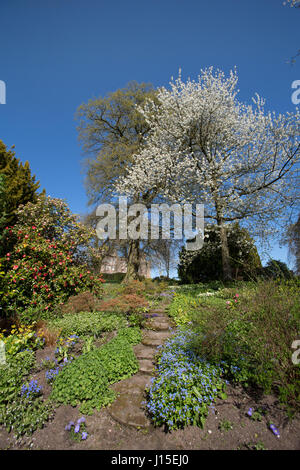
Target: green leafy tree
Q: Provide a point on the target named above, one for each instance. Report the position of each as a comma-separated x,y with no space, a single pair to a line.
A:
206,264
275,269
111,131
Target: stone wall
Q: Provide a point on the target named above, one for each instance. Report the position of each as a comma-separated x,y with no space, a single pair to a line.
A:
115,264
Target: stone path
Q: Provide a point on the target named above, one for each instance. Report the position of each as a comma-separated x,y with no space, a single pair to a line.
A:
127,408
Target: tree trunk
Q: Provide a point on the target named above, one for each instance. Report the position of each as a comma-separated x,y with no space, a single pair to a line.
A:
227,271
133,263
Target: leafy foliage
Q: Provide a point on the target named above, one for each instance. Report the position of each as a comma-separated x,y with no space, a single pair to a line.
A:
45,267
17,186
275,269
87,323
251,337
21,337
86,379
12,374
82,302
24,416
20,411
206,264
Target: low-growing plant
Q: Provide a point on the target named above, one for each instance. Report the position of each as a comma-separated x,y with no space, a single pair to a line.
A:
12,375
64,347
225,425
185,385
82,302
85,381
48,363
252,340
21,408
131,335
124,303
77,431
25,416
88,345
21,337
31,389
87,323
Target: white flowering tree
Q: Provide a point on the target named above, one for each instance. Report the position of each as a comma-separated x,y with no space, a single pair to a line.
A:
206,146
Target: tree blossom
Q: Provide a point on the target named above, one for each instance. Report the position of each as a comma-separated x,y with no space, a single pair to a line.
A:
206,146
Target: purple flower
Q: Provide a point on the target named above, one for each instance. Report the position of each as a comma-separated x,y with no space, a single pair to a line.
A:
76,429
84,435
250,411
274,430
81,420
68,427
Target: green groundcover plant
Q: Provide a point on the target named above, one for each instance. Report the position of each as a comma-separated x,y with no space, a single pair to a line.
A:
87,323
85,380
22,410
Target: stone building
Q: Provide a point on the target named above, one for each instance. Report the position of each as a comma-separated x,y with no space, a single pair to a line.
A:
117,264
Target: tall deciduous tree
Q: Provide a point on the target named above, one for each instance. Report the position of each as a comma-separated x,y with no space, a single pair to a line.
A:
111,132
206,146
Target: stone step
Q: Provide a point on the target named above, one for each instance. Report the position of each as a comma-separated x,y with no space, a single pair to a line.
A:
144,352
158,311
161,335
158,325
151,342
146,366
156,315
128,409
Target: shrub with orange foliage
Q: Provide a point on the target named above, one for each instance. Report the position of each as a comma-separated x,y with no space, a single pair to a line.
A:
124,303
50,336
82,302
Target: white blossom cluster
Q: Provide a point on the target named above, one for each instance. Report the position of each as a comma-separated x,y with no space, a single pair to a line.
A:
205,146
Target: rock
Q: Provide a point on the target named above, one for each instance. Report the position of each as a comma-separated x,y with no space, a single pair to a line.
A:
128,408
144,352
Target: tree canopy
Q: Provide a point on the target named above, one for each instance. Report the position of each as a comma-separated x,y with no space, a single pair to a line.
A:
206,264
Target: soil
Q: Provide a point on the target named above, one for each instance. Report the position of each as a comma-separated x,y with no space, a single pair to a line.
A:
228,427
107,434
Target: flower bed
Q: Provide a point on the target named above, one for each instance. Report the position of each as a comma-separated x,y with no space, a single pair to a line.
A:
185,387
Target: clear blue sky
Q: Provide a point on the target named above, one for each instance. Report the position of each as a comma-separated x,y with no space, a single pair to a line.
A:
58,54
